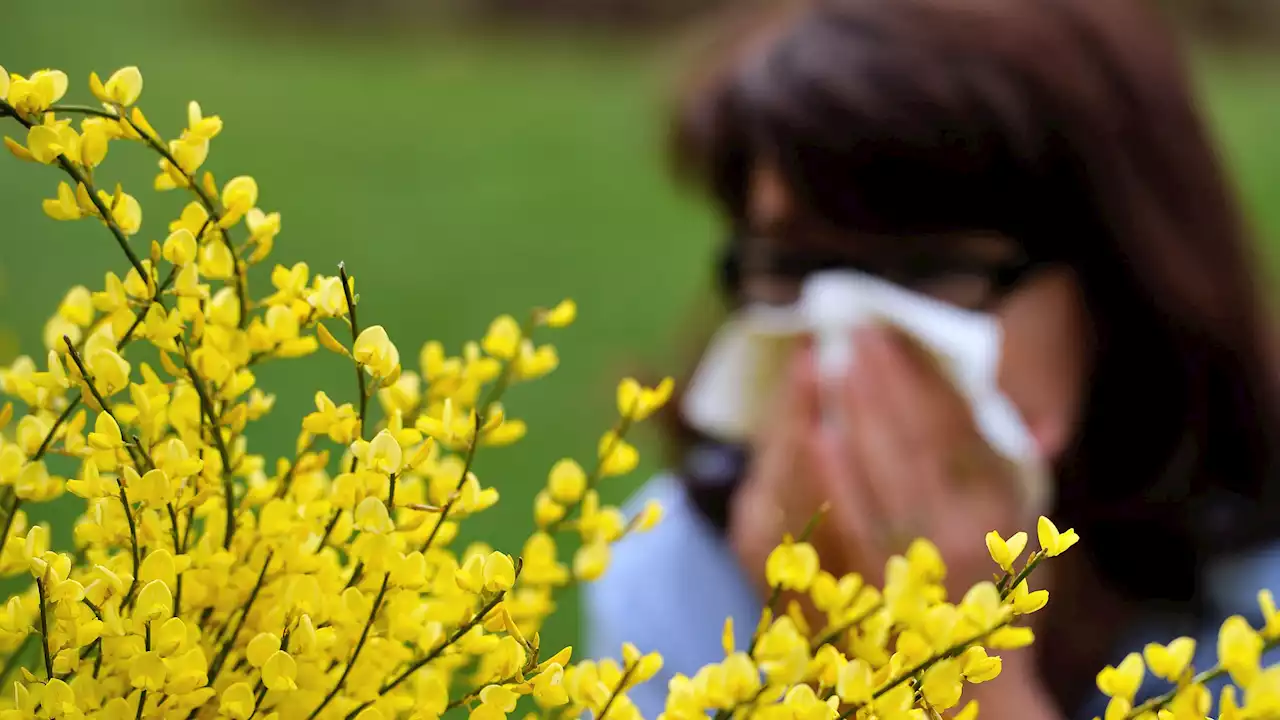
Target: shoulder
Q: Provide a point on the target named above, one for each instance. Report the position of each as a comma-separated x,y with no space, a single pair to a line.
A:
669,590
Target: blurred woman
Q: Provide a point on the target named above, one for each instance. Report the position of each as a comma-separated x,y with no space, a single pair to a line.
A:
1040,160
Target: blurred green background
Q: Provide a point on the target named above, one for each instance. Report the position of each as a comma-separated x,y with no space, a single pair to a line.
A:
460,174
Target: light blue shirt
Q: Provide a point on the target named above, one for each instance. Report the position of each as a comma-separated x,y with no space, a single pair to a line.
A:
671,589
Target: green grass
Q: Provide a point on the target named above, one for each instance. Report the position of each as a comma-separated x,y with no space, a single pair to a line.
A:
457,177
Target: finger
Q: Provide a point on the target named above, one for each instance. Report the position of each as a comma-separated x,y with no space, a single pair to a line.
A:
944,439
781,462
920,392
848,531
875,444
803,391
904,462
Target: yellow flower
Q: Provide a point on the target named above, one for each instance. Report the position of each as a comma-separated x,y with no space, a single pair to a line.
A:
94,143
1270,617
1026,602
91,484
979,667
617,456
125,210
106,433
591,560
637,402
1240,649
649,517
180,247
562,315
1122,681
34,95
261,648
792,566
1011,638
1170,661
968,712
503,338
237,701
499,572
65,206
1006,553
45,144
147,671
153,488
280,672
783,652
238,197
375,351
567,482
122,88
855,684
982,605
1051,541
941,685
371,516
382,454
154,601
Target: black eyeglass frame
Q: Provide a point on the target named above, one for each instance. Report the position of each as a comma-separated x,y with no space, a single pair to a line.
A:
1003,275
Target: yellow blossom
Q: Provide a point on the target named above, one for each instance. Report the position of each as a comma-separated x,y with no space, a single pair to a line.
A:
1170,661
122,88
1006,552
792,566
374,350
1053,542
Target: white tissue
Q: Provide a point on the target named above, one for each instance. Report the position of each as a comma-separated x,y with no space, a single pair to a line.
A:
728,395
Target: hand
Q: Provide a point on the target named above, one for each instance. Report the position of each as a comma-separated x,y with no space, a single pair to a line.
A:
906,461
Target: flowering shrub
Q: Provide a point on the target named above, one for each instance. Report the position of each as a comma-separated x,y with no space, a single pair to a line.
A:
207,583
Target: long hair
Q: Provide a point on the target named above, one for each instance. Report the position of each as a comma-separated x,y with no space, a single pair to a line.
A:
1069,126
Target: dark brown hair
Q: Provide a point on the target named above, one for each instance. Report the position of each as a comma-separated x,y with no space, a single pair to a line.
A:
1070,126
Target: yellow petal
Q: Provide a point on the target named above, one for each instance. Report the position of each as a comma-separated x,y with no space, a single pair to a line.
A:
280,671
180,247
97,88
124,86
44,143
561,315
329,341
18,150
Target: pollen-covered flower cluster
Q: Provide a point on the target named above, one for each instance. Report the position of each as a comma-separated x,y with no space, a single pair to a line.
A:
210,581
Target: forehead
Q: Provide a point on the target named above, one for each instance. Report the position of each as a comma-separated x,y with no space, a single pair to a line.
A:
779,226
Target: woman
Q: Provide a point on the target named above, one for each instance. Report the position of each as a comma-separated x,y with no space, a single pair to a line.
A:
1041,160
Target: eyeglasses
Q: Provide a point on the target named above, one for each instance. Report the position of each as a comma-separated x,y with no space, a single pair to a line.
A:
948,271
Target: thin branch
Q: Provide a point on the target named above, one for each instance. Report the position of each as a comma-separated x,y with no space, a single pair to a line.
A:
216,666
455,637
142,697
133,544
618,690
44,628
355,335
228,486
355,654
79,177
453,499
